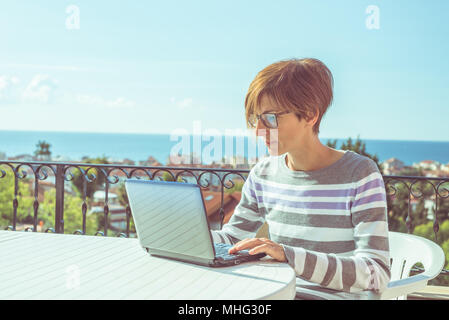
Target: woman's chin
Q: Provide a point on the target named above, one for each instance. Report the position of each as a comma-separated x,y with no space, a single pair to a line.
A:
273,151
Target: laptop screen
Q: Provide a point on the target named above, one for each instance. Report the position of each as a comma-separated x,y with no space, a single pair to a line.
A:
170,216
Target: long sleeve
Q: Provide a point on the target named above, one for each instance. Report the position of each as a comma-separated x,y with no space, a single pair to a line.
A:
367,268
246,219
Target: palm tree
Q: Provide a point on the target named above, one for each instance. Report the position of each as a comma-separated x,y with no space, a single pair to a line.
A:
43,150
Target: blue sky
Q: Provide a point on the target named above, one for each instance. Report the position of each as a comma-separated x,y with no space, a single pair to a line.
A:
147,67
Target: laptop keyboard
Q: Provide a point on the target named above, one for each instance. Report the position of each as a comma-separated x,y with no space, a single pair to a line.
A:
221,251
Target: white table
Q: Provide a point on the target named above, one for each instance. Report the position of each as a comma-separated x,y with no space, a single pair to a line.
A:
61,266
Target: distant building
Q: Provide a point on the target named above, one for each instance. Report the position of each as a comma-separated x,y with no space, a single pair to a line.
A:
60,158
116,216
114,160
22,157
428,165
128,162
429,206
42,157
183,160
47,185
445,168
392,166
99,196
437,174
150,162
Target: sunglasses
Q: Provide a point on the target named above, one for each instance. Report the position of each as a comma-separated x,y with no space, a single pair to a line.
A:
269,120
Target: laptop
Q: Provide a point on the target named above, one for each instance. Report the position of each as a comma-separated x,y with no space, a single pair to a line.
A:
171,222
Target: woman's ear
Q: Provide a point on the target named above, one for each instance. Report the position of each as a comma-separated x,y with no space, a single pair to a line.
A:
312,118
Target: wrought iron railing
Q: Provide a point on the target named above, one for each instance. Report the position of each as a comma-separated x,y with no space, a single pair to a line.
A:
414,188
438,186
64,172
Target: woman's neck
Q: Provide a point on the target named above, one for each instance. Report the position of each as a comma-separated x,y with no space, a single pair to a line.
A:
310,159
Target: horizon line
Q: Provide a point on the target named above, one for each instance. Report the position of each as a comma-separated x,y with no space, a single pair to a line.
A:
190,134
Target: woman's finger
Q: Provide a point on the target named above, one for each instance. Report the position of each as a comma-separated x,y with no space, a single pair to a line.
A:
263,248
245,244
272,249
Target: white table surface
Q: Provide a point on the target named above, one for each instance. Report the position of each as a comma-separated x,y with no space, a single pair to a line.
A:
60,266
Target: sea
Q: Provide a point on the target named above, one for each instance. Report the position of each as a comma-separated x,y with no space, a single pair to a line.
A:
73,146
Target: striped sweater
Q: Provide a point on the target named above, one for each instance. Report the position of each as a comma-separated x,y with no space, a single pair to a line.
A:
331,222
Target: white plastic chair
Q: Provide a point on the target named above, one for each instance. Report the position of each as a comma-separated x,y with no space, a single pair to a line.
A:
405,251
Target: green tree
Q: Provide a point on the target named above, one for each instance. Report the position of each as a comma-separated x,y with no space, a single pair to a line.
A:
238,186
42,151
122,195
91,187
166,176
424,192
426,231
73,217
25,211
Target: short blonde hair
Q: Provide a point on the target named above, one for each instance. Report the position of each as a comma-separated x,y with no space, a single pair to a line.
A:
303,86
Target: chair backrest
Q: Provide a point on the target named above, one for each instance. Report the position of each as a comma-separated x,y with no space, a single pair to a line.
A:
406,250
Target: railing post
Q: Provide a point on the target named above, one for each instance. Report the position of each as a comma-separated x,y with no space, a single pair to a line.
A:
59,206
15,202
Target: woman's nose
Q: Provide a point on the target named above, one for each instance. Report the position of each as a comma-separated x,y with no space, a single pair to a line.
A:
261,130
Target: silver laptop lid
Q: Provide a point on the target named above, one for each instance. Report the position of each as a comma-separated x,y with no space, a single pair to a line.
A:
170,216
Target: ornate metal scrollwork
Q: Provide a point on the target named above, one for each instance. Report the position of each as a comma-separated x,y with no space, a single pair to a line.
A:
222,179
415,188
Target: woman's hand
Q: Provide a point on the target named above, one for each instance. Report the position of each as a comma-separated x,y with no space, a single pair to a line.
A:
258,245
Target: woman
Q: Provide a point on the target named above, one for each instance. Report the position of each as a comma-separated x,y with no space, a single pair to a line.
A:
326,209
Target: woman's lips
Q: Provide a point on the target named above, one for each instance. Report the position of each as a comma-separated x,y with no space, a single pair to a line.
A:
268,143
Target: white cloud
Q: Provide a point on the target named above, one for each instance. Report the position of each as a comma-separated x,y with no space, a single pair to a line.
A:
100,101
40,89
6,81
120,103
3,83
45,67
182,104
7,84
15,80
86,99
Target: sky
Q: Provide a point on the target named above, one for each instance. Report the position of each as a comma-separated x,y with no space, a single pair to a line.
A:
156,67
